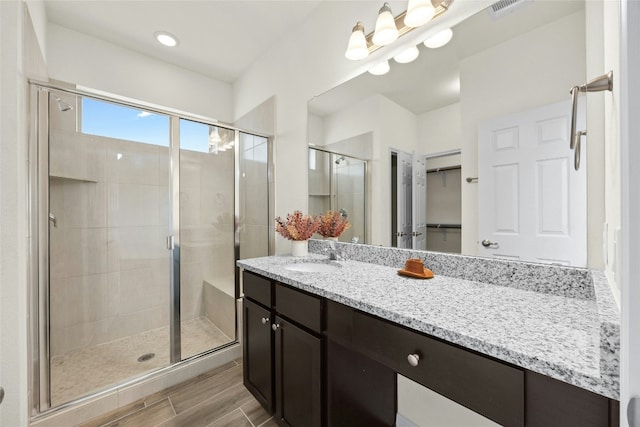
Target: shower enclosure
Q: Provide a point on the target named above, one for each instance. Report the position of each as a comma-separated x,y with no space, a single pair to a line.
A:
338,182
138,216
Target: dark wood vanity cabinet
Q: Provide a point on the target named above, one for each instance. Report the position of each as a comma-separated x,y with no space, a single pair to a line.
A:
257,352
314,362
283,351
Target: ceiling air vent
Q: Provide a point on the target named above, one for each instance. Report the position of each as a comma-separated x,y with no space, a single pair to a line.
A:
505,7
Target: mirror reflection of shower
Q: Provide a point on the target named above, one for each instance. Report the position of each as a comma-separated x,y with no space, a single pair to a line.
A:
338,182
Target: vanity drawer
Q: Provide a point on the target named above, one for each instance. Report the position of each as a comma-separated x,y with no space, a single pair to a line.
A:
257,288
488,387
300,307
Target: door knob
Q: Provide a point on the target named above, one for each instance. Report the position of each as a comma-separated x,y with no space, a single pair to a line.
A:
275,326
413,359
401,234
265,320
489,244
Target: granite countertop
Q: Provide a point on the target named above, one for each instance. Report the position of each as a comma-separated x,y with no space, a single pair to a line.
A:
554,335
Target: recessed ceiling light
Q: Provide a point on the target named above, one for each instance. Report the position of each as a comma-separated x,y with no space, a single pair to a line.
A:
166,38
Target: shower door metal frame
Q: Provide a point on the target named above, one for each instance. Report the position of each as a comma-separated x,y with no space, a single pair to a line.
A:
38,197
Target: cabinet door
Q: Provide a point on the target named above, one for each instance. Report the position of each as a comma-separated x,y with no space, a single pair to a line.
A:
298,376
257,352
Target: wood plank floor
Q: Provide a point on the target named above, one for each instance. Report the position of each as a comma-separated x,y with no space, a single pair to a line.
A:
214,399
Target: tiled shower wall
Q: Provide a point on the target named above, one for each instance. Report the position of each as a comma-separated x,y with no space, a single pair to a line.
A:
109,266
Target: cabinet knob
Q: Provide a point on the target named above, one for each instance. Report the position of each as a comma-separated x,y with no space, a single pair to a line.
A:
413,359
275,326
265,320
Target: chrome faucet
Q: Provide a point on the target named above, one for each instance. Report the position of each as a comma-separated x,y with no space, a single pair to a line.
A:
334,254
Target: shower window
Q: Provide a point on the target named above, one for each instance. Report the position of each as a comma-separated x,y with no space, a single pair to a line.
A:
116,121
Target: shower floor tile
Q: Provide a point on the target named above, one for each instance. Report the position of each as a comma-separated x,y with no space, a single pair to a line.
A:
80,372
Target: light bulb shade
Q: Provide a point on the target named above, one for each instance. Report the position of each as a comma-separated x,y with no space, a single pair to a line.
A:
419,12
357,48
380,69
440,39
407,55
386,31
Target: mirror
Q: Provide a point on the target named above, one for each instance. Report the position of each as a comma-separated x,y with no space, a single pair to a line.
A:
497,89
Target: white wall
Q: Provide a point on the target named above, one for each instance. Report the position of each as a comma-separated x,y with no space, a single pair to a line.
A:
86,61
13,214
39,23
534,69
439,130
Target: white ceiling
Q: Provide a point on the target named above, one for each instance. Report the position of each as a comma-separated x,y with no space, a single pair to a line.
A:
222,38
219,39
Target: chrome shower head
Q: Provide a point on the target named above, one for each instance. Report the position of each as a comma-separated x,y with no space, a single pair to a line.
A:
63,106
340,160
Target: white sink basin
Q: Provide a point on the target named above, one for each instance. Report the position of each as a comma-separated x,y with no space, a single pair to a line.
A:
313,267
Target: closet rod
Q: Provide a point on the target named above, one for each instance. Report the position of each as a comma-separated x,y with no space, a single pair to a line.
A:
448,168
444,226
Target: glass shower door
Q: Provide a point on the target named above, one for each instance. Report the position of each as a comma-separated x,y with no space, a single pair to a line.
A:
109,200
207,237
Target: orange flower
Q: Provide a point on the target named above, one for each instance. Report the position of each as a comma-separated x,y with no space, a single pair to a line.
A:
333,224
297,226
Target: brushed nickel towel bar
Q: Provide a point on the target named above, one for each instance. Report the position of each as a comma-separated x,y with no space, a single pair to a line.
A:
604,82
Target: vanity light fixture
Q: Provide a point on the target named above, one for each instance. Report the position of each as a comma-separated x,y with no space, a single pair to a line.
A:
166,39
439,39
419,12
357,48
407,55
380,69
386,30
389,28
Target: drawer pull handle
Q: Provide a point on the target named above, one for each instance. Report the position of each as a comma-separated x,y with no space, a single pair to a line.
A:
265,320
275,327
413,359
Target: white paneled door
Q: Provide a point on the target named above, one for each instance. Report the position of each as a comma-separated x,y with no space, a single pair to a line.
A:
532,203
419,205
404,202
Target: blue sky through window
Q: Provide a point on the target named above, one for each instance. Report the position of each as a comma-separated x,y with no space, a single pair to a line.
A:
117,121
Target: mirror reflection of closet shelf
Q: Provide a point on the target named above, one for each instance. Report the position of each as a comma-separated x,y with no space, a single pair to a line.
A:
444,203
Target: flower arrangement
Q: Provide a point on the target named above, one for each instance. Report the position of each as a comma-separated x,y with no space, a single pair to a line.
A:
333,224
297,226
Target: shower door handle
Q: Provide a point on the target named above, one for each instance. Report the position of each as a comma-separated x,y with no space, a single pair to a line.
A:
170,243
53,219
